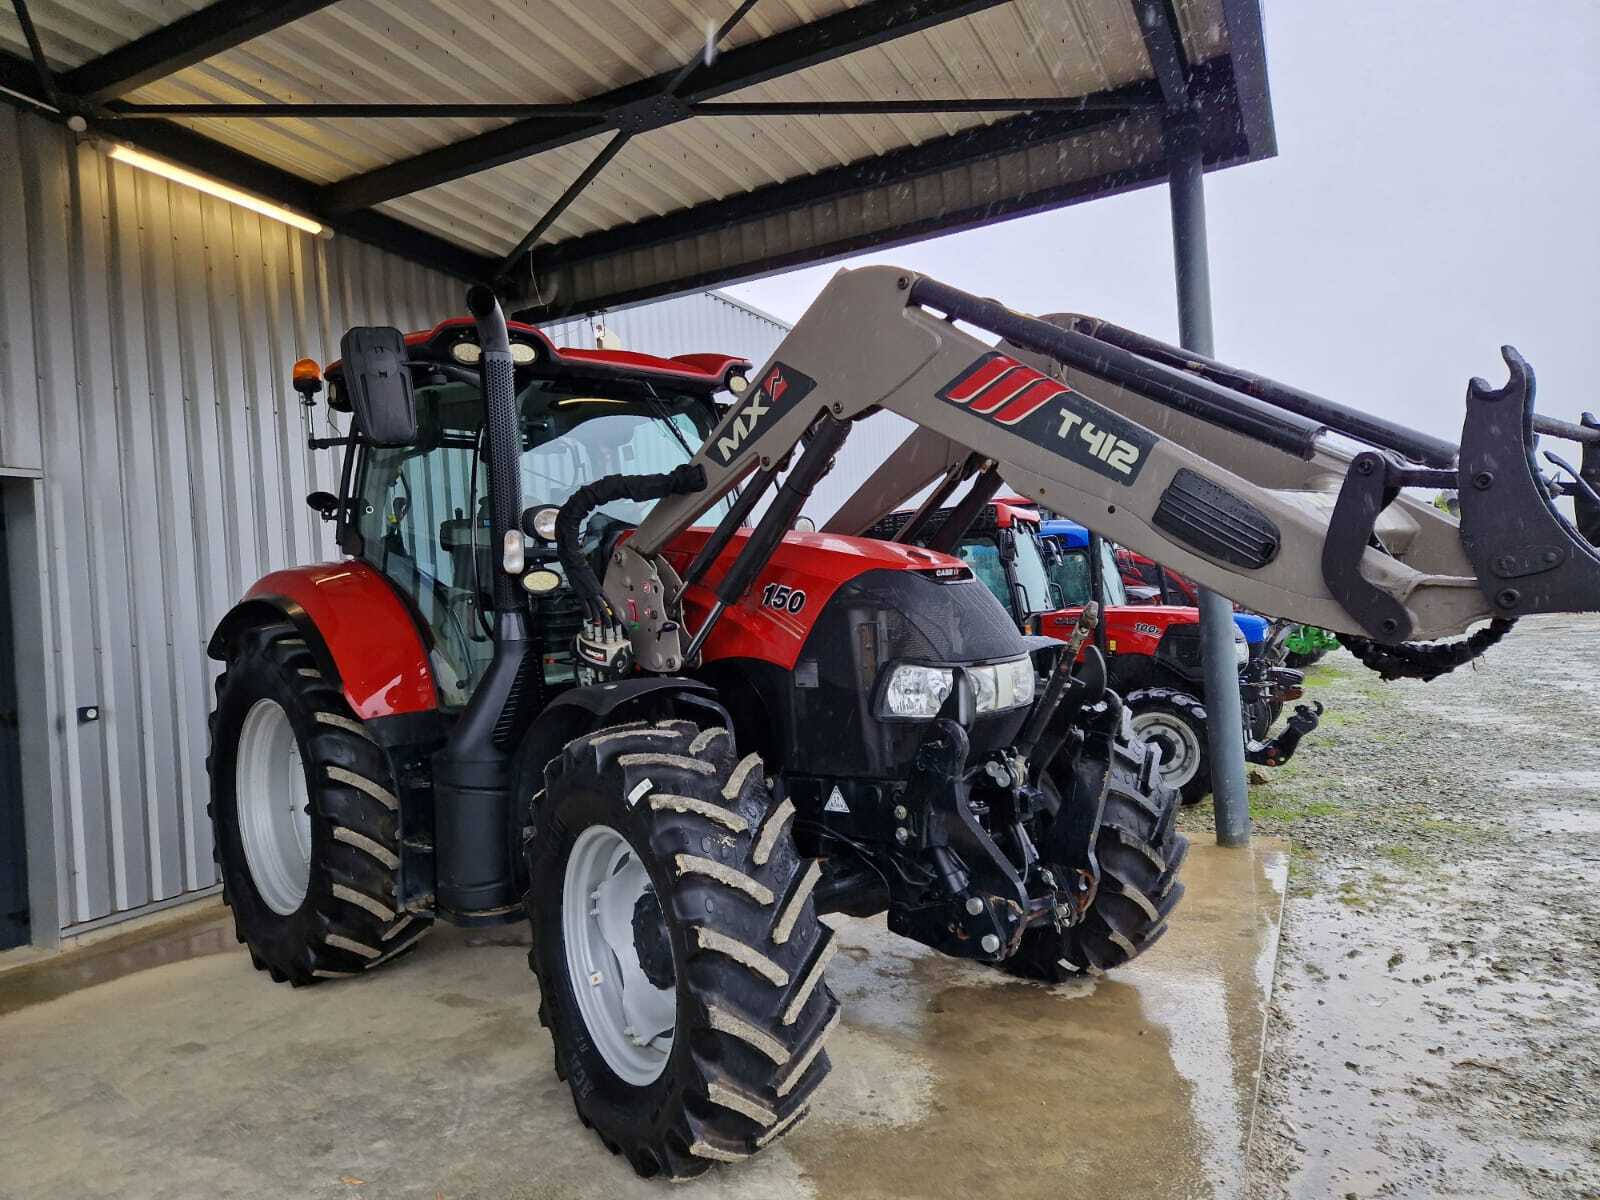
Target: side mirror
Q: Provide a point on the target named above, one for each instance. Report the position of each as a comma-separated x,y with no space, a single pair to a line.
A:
379,385
1006,540
325,503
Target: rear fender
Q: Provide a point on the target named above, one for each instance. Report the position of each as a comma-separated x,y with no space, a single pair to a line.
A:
355,625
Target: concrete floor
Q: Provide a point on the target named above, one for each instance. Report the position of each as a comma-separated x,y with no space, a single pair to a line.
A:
160,1065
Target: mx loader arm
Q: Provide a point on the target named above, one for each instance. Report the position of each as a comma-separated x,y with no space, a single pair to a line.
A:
1225,476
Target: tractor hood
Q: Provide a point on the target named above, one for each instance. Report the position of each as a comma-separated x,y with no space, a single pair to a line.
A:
772,621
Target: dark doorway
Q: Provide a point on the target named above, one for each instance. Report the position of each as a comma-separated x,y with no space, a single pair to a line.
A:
13,847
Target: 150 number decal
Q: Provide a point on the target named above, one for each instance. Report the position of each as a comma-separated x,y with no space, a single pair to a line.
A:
783,597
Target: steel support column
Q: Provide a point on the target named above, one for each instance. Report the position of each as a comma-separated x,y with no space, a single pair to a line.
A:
1224,718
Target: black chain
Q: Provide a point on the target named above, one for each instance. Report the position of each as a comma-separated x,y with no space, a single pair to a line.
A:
1425,660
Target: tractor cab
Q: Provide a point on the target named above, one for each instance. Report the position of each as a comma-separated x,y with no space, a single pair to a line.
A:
1071,555
1003,550
417,504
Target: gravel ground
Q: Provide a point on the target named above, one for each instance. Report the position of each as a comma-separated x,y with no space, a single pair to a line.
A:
1435,1023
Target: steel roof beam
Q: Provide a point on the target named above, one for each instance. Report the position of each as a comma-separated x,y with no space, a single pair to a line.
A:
188,40
41,66
895,166
1158,23
649,104
564,201
551,112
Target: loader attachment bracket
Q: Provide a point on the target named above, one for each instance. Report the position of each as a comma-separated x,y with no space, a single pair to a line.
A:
1529,558
1367,491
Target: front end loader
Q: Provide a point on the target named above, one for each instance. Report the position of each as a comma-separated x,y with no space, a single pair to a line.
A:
561,676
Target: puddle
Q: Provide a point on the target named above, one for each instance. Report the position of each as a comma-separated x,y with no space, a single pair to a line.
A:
1570,820
1140,1083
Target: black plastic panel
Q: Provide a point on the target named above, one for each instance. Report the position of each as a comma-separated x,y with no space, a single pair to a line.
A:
1212,520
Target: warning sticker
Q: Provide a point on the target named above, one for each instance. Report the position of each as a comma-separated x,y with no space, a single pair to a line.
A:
836,802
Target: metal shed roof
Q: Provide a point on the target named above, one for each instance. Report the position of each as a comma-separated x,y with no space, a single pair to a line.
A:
599,152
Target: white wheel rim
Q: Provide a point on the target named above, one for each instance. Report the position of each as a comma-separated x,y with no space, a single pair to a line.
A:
1179,744
630,1020
274,807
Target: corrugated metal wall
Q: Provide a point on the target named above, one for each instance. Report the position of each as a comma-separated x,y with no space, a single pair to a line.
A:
146,333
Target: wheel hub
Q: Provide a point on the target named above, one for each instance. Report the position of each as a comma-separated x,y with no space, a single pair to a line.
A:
273,807
1178,742
619,955
650,937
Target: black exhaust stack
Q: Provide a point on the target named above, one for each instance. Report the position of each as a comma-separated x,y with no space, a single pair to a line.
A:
473,818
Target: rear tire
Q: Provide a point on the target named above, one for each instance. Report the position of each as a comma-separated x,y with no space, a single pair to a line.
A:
1176,723
724,951
294,772
1140,852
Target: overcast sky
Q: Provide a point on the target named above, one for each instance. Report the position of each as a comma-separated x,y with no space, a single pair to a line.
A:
1434,195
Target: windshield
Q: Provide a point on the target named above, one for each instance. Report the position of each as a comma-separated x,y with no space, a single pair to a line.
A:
423,510
1071,574
569,438
981,552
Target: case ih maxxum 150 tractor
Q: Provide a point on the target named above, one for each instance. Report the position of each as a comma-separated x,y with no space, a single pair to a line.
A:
674,746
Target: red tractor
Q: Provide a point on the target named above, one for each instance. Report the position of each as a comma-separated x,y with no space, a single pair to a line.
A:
536,688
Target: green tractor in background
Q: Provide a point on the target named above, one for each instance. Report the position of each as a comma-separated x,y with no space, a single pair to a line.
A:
1306,644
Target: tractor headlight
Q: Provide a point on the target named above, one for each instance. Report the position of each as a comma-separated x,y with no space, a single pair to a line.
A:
1241,648
915,691
1014,683
918,691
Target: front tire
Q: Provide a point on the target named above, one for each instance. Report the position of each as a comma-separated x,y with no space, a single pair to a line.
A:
305,818
1139,851
1176,723
677,947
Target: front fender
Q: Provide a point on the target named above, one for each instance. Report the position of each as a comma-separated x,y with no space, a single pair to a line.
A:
600,700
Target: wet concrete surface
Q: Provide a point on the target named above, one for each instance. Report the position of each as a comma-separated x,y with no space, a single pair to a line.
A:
188,1074
176,938
1435,1025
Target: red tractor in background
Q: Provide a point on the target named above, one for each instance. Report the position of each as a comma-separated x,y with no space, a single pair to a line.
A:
1148,582
1152,651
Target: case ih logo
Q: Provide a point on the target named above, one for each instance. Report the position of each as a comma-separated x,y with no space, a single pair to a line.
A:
779,392
1008,393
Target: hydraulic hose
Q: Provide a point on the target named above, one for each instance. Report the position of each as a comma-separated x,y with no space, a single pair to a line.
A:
680,481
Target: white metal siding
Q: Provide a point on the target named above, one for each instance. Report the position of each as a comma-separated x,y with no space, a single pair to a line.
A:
146,333
706,322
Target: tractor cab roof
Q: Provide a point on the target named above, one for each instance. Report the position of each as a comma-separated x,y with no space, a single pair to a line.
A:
1072,535
997,514
455,340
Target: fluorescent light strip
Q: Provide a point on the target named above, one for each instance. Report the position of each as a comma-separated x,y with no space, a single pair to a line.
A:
212,187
